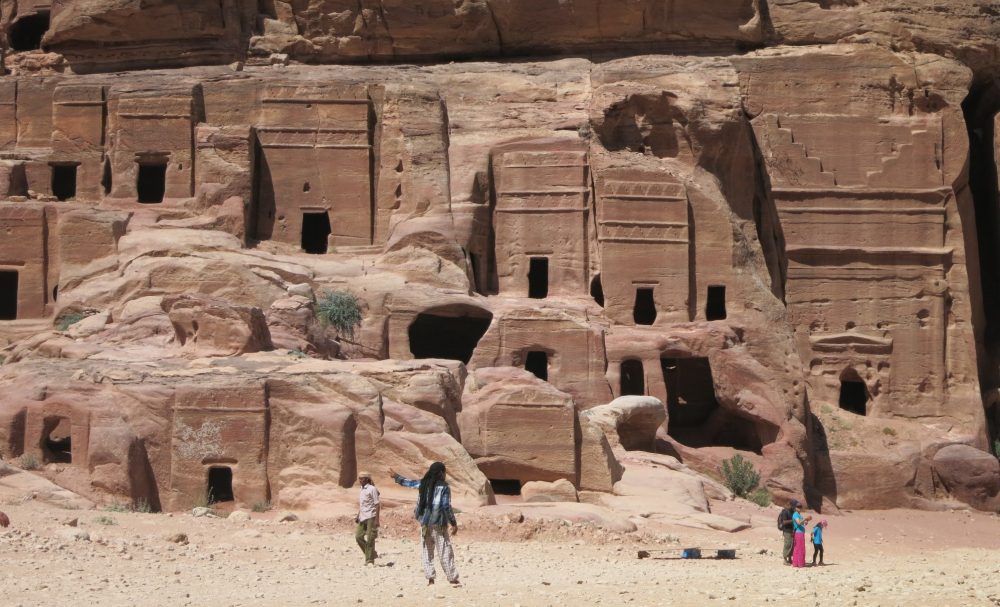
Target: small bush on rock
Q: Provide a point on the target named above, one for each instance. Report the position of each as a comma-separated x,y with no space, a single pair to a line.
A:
69,320
105,520
739,475
262,506
340,310
29,462
996,447
760,496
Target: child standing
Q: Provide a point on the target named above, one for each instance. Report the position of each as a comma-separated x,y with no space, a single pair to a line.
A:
817,539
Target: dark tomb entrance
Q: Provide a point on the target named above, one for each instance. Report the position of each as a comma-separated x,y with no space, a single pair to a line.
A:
853,393
315,232
151,182
57,444
64,181
537,363
644,312
26,33
633,382
8,295
450,332
715,306
505,486
220,484
538,278
597,290
696,419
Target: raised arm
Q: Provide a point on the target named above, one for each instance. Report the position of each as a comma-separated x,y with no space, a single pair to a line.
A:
406,482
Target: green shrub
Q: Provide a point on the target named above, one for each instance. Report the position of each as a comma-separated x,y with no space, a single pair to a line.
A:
996,447
142,505
888,431
340,310
760,496
69,320
105,520
204,500
739,475
117,507
29,462
262,506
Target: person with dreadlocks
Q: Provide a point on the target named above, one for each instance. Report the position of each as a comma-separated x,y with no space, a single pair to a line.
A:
435,515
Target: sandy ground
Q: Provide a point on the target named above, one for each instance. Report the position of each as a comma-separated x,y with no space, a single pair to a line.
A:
873,558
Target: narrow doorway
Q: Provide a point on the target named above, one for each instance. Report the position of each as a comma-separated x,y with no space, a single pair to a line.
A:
538,278
537,363
63,181
220,484
854,396
644,312
151,182
633,381
8,295
715,306
597,290
315,232
58,441
502,486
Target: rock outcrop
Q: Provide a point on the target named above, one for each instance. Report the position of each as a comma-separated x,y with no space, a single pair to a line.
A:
764,228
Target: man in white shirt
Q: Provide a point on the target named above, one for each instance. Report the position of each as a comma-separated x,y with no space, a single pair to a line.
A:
368,513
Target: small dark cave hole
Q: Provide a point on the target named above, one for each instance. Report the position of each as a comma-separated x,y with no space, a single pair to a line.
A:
503,486
58,443
633,382
63,181
26,33
151,183
8,295
695,417
715,305
538,278
644,311
220,484
537,363
597,290
315,232
854,396
452,334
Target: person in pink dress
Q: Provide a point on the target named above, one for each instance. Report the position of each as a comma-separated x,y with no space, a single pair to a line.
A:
799,522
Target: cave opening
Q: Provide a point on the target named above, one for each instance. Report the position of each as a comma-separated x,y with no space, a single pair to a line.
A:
538,278
220,484
63,181
315,232
715,305
505,486
57,445
450,332
26,33
106,179
151,182
597,290
980,109
633,381
536,362
853,394
8,295
644,310
695,417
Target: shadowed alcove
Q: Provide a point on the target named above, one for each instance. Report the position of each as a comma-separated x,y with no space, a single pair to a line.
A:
695,417
450,332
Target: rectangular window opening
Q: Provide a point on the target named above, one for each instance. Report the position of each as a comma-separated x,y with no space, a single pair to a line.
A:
64,181
8,295
538,278
151,182
315,232
537,363
644,312
715,306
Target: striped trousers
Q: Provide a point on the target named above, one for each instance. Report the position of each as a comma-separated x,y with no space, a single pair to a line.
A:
437,539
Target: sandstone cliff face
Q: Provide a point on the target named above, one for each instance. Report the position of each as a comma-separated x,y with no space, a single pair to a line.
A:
789,248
